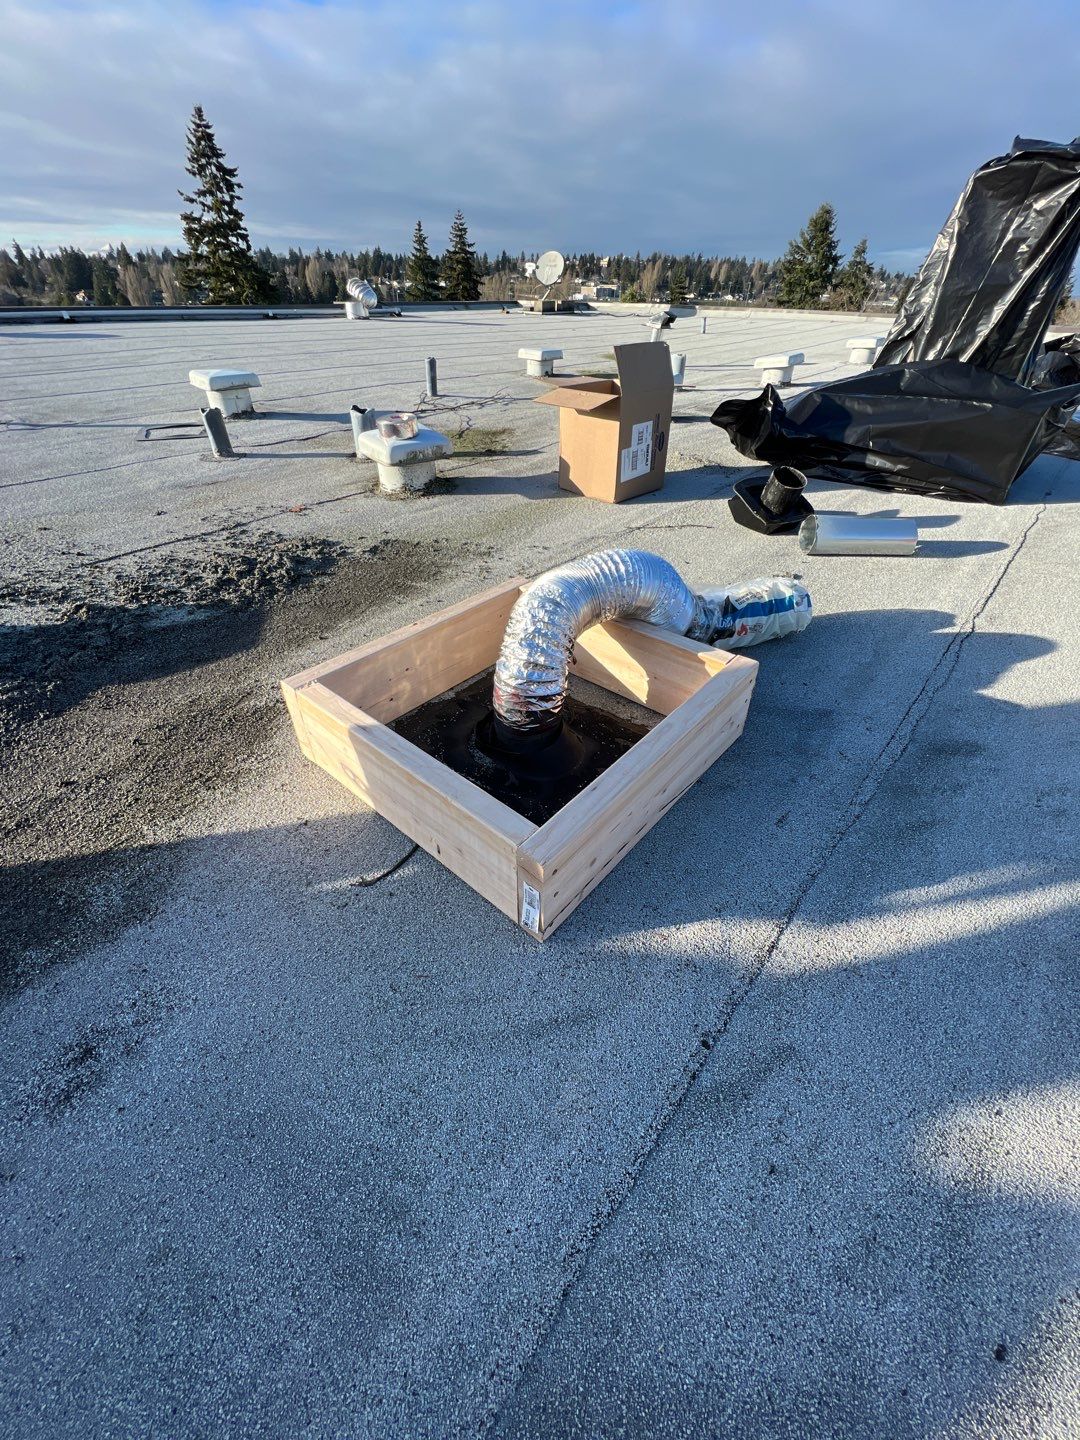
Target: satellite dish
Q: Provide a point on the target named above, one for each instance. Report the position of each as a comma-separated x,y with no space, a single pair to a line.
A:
550,267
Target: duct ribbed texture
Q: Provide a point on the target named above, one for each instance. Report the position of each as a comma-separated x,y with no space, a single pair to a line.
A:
534,663
361,290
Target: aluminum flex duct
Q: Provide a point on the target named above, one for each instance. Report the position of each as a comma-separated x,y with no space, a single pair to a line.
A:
534,662
532,671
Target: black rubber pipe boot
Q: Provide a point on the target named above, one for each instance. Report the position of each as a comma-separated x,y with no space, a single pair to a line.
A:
772,508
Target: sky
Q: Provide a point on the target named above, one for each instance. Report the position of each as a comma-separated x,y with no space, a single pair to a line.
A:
603,126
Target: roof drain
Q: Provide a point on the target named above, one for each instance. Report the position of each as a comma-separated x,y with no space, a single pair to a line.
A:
532,672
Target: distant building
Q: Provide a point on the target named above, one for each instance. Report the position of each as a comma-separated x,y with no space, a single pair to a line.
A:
596,291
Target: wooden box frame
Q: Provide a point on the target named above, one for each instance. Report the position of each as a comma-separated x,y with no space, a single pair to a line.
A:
535,874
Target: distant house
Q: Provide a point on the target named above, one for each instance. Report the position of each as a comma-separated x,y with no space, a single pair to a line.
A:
596,291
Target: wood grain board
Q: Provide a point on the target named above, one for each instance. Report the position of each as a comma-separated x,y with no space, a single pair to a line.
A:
536,875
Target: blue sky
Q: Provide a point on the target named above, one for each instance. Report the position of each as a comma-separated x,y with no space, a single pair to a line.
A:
697,125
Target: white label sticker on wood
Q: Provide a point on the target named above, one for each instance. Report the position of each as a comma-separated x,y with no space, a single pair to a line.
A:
530,907
636,459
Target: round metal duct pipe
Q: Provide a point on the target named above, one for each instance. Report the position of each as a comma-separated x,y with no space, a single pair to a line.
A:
532,672
363,291
858,535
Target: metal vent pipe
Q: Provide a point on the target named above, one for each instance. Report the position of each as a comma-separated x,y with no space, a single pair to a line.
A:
532,671
363,291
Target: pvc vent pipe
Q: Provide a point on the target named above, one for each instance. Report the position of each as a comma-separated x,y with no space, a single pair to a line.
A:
218,435
857,535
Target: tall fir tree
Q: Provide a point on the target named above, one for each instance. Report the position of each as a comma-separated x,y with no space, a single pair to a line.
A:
11,280
677,290
809,269
1064,306
856,280
104,281
459,265
218,266
421,269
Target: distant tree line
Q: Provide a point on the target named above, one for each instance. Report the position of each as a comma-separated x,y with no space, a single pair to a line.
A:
146,278
217,264
119,276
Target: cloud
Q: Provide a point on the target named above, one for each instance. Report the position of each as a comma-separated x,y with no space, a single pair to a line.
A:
607,126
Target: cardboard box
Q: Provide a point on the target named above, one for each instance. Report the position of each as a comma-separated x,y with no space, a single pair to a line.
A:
613,434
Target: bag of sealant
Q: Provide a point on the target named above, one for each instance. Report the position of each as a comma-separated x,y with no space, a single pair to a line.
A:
757,610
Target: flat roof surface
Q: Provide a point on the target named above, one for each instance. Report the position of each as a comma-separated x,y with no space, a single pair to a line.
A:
776,1135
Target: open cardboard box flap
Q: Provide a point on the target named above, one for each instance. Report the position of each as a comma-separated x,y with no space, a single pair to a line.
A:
643,369
576,392
613,433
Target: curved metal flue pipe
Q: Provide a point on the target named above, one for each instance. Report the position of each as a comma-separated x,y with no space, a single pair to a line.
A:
532,671
363,291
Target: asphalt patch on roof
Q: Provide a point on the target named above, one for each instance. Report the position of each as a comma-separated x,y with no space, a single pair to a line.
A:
94,627
131,695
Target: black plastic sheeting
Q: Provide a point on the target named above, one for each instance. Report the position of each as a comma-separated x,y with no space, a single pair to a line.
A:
938,427
989,287
944,412
1059,366
1059,363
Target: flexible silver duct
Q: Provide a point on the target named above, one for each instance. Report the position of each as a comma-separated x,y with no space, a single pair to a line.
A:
531,674
534,662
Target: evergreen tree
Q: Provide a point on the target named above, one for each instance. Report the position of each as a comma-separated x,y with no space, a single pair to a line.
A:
459,265
12,282
219,265
809,268
75,272
677,294
104,281
421,269
856,279
1063,309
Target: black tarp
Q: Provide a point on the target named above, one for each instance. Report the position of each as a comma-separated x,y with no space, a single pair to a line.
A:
989,287
944,412
938,427
1059,363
